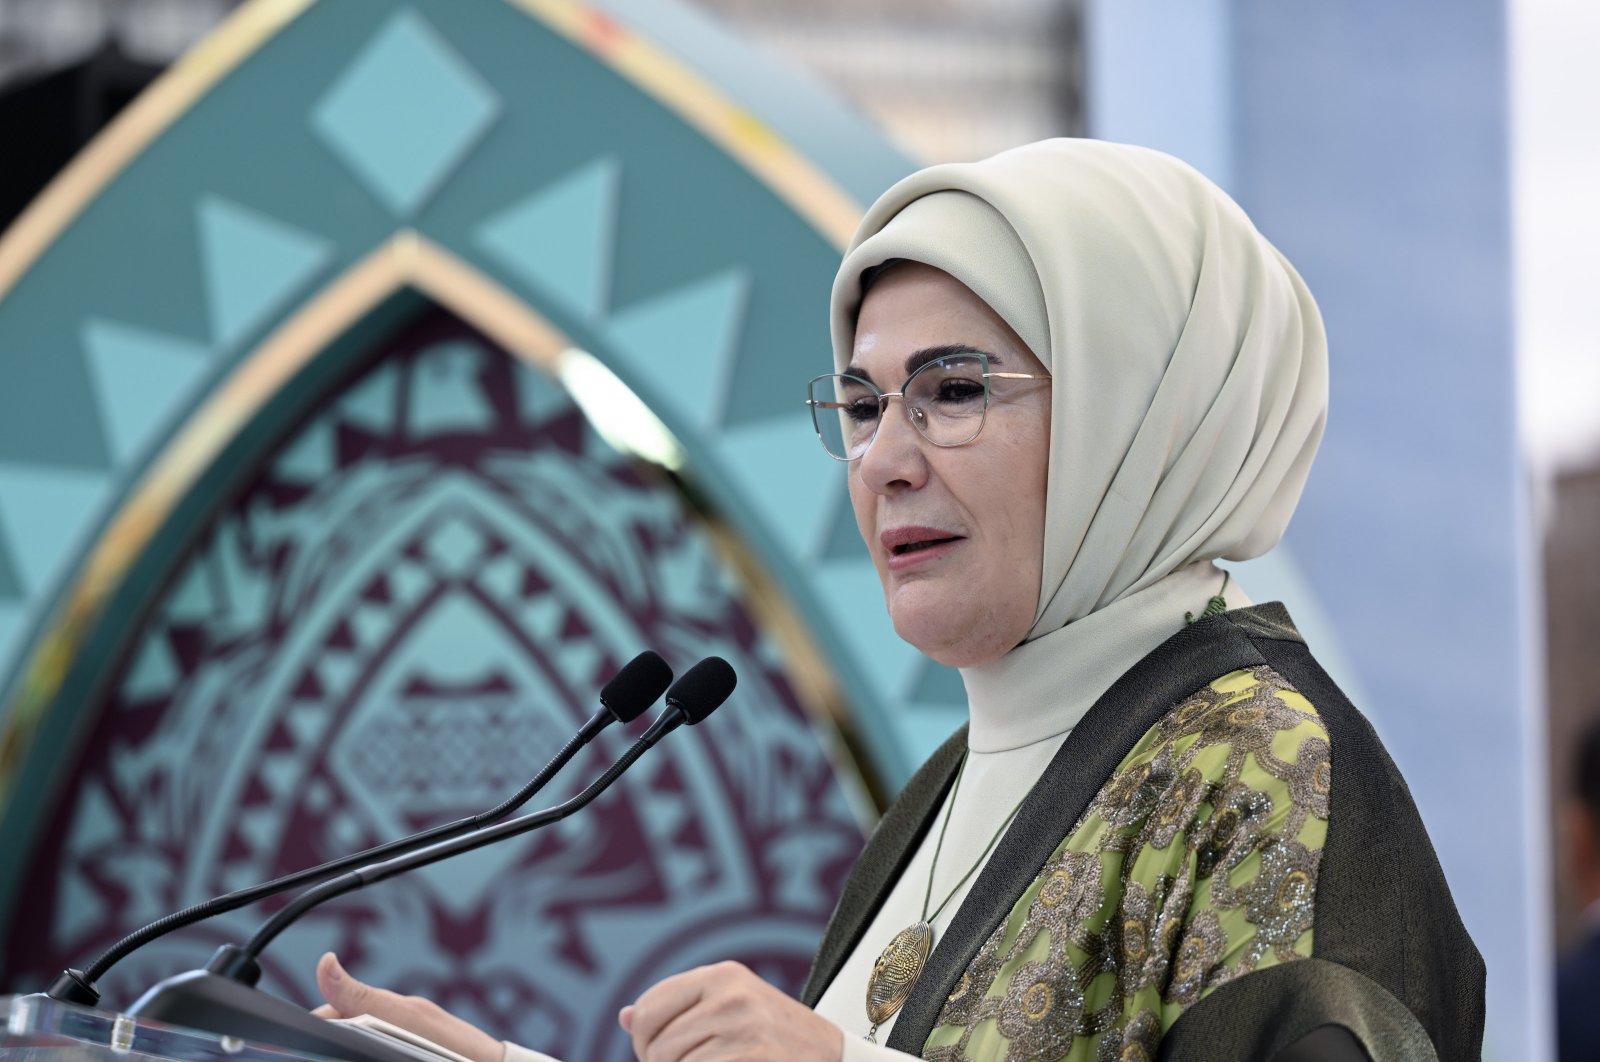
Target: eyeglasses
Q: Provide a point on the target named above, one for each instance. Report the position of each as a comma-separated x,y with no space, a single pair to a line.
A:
945,400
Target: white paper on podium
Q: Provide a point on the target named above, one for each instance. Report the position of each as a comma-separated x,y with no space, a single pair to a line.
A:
425,1050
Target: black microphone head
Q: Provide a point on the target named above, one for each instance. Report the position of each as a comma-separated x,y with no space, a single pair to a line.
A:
636,687
702,689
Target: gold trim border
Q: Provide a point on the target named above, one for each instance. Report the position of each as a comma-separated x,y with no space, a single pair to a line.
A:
405,260
745,137
166,100
703,106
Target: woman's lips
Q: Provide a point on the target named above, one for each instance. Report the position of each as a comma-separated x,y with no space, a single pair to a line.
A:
911,546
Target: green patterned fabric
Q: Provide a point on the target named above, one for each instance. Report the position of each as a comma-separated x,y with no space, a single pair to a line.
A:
1195,864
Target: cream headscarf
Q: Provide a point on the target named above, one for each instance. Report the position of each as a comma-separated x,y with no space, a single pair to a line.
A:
1189,360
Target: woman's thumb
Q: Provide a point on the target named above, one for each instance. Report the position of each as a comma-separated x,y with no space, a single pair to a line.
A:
343,992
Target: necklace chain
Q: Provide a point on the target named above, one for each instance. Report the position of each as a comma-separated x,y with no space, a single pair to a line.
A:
900,966
949,811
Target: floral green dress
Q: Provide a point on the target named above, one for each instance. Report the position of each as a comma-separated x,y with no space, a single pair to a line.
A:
1196,863
1221,862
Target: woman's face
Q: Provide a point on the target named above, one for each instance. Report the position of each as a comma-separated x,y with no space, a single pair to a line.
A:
956,533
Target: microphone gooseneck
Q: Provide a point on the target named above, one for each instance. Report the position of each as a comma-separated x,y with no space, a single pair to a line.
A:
629,693
693,697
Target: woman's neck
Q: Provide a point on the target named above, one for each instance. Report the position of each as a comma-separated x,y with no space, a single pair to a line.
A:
1041,689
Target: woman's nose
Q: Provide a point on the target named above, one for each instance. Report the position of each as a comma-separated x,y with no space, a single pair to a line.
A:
894,460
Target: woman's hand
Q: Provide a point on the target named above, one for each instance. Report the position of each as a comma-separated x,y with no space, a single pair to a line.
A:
348,997
726,1012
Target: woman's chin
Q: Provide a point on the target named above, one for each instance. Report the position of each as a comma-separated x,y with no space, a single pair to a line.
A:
950,632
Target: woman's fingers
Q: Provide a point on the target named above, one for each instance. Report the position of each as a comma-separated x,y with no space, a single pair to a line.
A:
348,997
655,1010
725,1011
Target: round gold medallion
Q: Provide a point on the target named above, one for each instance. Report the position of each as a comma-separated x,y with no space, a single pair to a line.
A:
897,970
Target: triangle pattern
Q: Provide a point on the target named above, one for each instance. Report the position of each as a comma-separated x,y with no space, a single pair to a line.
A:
154,672
338,672
252,264
373,402
96,823
279,773
79,908
577,662
502,576
684,869
559,239
259,826
679,348
43,513
305,722
310,456
665,814
407,582
371,624
541,618
141,378
192,600
778,464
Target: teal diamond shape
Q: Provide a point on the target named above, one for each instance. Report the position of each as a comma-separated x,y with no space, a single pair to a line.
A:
405,112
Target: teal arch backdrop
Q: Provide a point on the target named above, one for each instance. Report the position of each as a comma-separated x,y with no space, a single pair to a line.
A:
273,534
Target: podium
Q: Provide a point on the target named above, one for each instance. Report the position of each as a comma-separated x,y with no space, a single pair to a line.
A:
37,1028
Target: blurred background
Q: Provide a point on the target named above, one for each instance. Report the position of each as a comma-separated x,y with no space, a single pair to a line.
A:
688,170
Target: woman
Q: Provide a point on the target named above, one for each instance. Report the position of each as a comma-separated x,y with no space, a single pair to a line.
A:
1164,830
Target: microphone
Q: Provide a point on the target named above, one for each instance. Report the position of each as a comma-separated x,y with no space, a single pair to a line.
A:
632,690
694,696
222,998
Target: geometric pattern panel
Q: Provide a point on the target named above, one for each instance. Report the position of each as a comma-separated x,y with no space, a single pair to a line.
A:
393,624
405,112
560,239
632,193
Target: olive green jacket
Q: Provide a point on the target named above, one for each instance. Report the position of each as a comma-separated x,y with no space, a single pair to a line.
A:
1220,862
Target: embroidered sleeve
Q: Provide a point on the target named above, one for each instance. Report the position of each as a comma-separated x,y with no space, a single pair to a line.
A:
1195,864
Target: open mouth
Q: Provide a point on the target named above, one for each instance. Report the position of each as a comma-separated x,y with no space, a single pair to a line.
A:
917,547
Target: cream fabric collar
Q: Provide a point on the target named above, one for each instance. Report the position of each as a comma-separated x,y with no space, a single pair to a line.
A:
1041,690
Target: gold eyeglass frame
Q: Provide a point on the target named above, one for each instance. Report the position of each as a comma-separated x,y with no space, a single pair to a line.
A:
915,414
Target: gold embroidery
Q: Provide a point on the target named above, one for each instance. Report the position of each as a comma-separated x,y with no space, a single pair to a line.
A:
1040,1011
1138,1042
1203,845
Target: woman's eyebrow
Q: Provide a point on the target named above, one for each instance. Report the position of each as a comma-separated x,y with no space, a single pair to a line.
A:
917,359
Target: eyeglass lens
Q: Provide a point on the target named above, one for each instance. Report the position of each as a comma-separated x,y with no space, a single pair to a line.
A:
944,399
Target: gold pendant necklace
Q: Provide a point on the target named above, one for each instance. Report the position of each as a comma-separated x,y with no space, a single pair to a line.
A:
900,965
